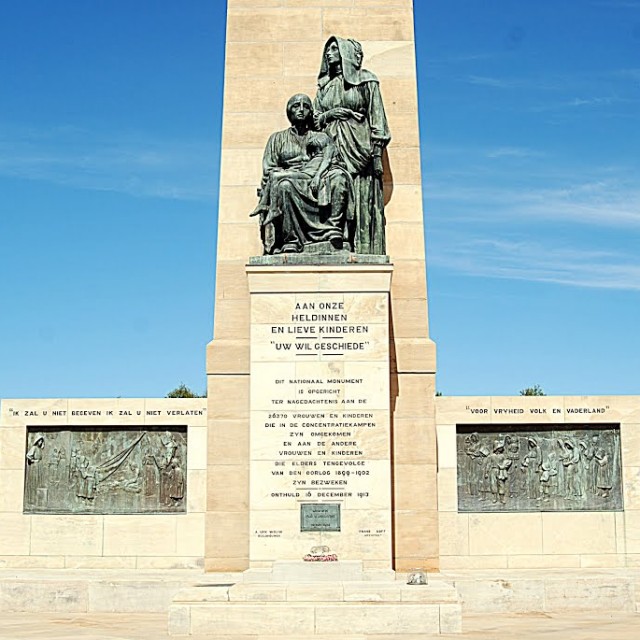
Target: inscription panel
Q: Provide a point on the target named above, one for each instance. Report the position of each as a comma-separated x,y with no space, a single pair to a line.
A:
105,470
320,443
539,468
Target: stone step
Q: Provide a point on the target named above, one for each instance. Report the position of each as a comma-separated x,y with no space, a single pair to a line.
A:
85,591
311,620
342,609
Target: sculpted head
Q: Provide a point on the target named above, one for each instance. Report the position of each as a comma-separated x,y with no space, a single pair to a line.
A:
300,109
337,50
332,52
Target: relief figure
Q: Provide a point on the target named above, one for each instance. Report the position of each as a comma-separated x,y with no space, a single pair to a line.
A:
530,467
603,478
150,475
133,482
35,483
571,461
176,482
86,479
496,472
548,475
52,465
589,464
512,445
475,457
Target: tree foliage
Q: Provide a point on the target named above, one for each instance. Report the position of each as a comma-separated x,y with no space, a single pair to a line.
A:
182,391
536,390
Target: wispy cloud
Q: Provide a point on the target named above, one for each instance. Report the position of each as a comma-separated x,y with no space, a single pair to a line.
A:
532,83
595,101
125,163
533,261
580,102
633,74
513,152
617,4
472,57
590,88
487,81
607,199
567,224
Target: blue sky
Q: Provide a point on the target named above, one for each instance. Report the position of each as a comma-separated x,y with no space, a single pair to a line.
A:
109,145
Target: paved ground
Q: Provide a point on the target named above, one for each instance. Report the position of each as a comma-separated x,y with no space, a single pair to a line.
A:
152,626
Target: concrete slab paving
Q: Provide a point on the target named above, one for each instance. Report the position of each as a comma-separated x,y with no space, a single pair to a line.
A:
153,626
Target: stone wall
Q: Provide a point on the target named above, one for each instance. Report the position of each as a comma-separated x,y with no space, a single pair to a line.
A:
604,539
142,541
546,539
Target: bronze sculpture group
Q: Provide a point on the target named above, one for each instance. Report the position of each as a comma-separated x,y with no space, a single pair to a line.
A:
322,178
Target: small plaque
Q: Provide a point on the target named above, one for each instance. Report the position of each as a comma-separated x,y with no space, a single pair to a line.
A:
319,517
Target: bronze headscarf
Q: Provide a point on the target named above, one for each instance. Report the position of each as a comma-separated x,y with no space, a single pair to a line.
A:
352,70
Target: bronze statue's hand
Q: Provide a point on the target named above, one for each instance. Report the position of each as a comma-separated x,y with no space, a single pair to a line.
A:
340,113
319,120
314,186
378,169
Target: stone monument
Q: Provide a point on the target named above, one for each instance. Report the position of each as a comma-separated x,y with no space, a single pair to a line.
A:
321,314
308,482
321,371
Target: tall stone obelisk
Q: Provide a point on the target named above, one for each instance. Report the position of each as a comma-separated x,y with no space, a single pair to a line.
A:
273,51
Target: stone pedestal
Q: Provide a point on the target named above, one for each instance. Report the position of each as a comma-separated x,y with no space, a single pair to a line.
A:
320,445
329,414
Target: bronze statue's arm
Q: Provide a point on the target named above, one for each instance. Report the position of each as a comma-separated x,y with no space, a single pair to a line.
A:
269,159
328,153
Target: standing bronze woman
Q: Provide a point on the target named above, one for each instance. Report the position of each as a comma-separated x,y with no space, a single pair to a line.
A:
348,106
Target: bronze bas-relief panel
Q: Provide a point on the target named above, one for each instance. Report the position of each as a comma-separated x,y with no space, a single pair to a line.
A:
106,470
539,468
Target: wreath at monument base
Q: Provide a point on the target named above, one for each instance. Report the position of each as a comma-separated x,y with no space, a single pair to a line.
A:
321,553
331,557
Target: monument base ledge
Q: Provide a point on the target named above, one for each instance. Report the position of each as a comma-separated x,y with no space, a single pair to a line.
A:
299,571
316,607
315,259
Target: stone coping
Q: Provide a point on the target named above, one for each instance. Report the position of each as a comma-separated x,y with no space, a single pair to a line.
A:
198,576
339,258
40,574
438,592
